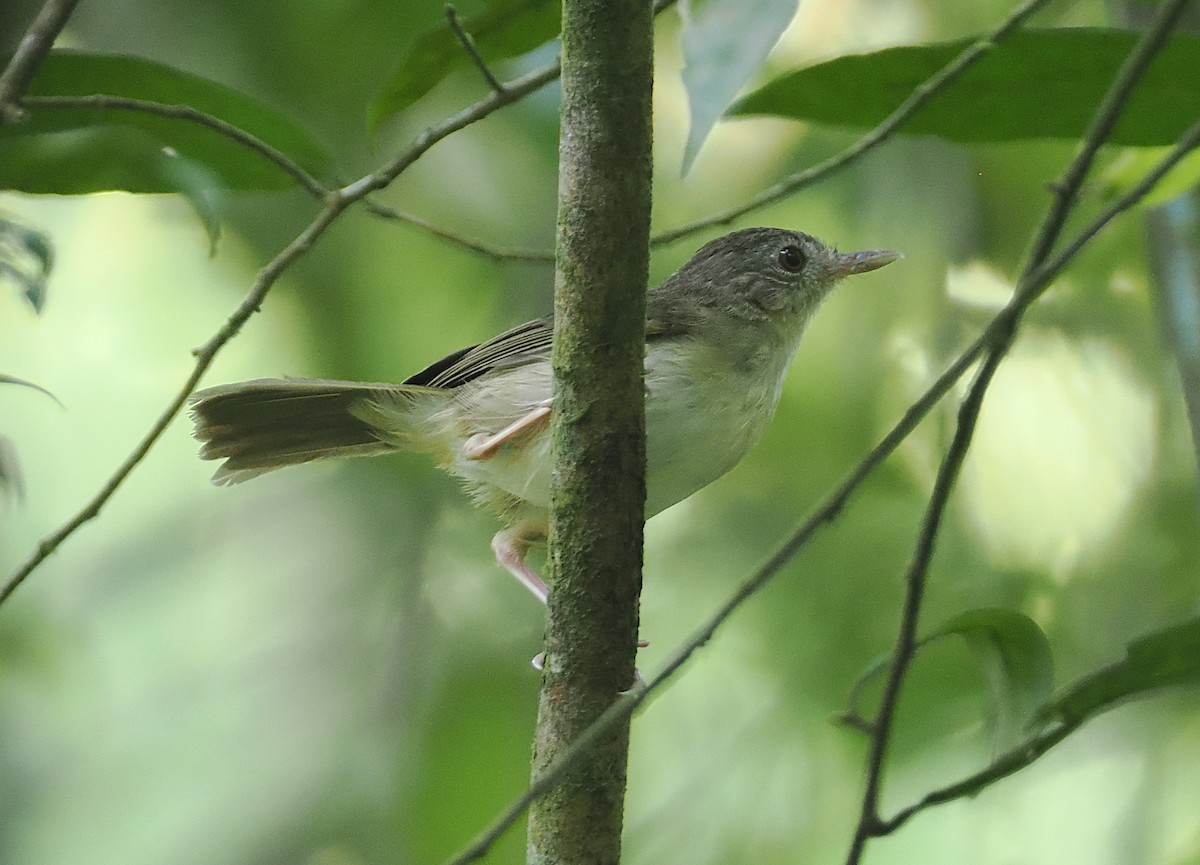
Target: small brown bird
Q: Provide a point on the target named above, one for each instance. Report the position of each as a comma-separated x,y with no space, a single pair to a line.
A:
720,334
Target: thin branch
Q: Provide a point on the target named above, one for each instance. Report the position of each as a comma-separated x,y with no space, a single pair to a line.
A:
916,579
512,92
1052,268
826,512
916,100
34,47
104,102
1107,114
468,45
1066,191
1007,764
495,253
624,706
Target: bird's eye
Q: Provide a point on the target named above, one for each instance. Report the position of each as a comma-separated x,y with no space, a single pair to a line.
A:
791,259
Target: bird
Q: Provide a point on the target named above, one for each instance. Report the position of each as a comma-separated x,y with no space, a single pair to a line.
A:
721,333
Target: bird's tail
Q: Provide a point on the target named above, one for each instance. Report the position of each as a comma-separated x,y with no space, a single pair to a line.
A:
257,426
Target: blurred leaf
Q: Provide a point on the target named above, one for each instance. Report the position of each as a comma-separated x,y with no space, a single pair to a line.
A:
1164,659
1016,660
1015,656
1035,84
26,257
1128,169
724,43
9,379
1173,232
50,152
854,716
10,472
505,28
202,189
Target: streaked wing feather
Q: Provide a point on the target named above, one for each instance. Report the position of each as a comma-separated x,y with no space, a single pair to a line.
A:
522,344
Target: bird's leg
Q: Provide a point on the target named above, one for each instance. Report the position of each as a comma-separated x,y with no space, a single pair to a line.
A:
481,445
510,546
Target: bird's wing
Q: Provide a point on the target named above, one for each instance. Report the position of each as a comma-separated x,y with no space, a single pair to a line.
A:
526,343
523,344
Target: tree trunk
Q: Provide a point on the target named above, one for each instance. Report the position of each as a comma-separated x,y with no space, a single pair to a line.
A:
598,424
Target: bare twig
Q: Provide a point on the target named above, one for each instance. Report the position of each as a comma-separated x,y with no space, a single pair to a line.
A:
1055,265
34,47
468,45
513,91
103,102
1066,190
1007,764
495,253
916,100
826,512
869,824
622,708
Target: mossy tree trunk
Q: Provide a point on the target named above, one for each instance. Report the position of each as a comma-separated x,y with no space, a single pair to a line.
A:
598,422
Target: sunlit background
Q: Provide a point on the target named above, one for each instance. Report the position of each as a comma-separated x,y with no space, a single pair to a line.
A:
326,666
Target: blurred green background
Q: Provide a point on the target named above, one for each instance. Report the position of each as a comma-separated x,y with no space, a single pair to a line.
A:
326,666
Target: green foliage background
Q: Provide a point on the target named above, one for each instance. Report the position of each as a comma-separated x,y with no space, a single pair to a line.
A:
325,666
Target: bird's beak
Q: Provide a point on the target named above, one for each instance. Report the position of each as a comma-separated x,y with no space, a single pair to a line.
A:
847,263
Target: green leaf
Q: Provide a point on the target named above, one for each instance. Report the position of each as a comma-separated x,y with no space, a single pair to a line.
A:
1128,169
1164,659
504,29
10,471
1016,661
26,257
80,151
203,191
724,43
854,715
1034,84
